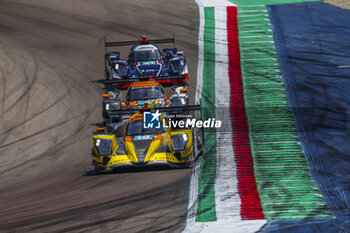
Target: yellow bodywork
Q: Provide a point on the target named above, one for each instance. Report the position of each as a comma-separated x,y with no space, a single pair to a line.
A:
128,156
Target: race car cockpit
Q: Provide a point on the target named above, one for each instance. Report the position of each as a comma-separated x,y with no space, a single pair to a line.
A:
143,93
136,127
147,55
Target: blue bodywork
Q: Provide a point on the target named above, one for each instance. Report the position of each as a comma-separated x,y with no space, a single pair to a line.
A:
145,60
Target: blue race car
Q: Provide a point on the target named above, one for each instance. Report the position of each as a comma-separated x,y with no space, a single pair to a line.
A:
146,60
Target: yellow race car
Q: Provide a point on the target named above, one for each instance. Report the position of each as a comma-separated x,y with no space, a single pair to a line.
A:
131,143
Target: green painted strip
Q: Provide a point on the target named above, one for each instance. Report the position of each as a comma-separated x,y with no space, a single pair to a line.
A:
206,192
267,2
284,182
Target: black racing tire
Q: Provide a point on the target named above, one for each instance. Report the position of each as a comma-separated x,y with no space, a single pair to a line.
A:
108,75
189,165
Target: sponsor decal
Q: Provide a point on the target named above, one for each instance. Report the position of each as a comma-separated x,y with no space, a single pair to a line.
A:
145,47
192,123
143,137
148,63
151,120
141,102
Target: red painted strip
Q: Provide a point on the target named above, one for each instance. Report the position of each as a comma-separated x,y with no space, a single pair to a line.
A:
250,201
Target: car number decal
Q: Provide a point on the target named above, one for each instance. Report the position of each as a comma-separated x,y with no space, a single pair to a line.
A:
144,137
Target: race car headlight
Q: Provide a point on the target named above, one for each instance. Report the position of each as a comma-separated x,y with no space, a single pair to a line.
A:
103,146
116,66
178,101
176,65
183,101
159,102
112,106
179,141
123,70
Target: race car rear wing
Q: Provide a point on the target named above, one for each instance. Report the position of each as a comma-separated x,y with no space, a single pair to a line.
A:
160,109
144,40
130,80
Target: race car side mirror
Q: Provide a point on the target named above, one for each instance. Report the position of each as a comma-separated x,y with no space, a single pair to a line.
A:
100,130
184,90
106,96
180,53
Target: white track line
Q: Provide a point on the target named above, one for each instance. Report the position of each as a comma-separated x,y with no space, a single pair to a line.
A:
226,194
227,199
191,225
193,198
200,56
214,3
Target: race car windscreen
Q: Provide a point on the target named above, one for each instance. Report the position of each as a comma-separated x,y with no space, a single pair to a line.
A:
136,128
145,93
147,55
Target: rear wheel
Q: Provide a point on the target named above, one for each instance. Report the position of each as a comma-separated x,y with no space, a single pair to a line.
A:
198,143
107,74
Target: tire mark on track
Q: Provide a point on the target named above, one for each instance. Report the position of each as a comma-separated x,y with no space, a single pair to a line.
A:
28,85
37,133
39,221
36,114
52,151
3,92
68,59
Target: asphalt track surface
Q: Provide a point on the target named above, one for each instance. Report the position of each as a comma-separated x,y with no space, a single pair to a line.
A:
341,3
51,51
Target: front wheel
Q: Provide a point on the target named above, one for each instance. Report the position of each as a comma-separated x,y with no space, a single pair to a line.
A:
198,143
107,75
